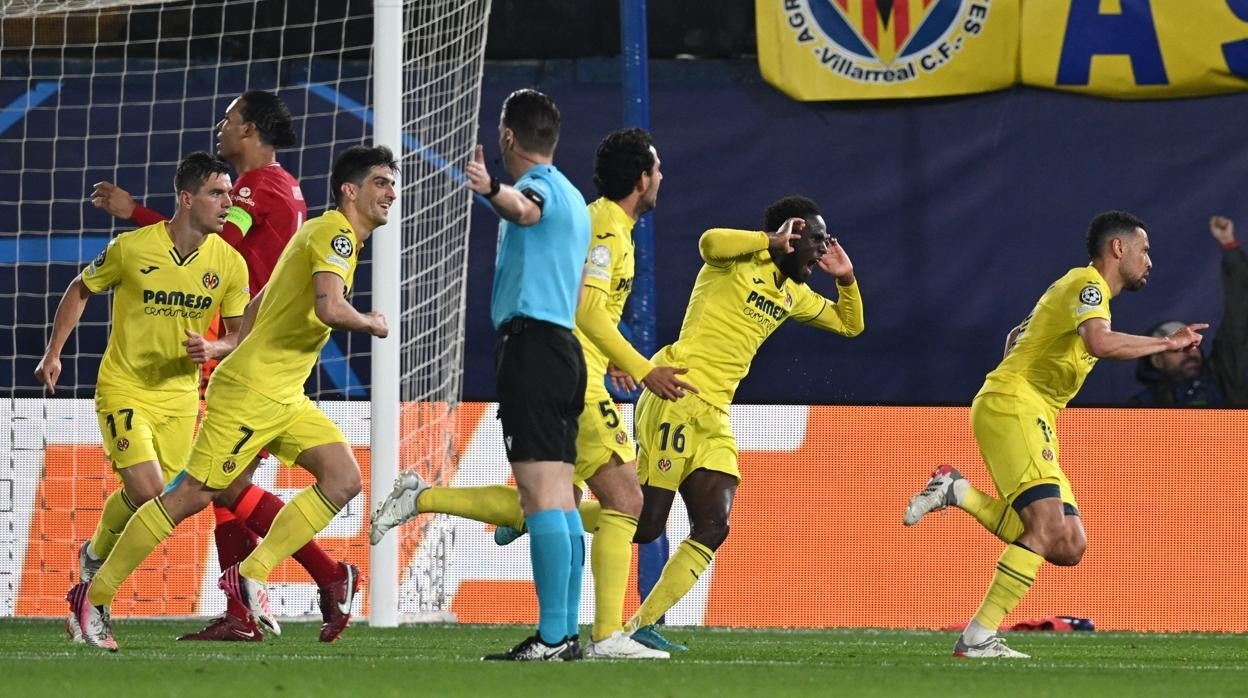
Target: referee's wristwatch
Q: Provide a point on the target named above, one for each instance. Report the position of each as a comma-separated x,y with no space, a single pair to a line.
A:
495,187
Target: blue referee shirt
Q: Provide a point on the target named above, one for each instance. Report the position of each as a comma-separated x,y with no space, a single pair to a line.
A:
537,273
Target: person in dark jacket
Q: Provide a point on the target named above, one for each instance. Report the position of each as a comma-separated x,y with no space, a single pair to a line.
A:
1189,378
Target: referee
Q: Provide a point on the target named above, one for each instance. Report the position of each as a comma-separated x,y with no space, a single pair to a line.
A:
538,364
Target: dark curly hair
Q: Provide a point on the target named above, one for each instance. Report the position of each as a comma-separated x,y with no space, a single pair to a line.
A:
271,117
621,159
786,208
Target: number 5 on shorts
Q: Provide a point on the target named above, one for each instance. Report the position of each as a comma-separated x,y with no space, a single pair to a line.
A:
607,408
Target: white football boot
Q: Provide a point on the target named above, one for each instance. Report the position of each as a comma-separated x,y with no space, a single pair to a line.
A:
399,507
992,647
937,495
620,646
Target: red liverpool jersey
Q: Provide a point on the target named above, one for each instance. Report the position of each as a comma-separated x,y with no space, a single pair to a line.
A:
268,208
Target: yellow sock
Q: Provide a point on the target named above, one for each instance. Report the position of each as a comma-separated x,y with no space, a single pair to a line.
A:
1016,572
147,528
495,504
611,556
117,512
679,575
295,525
590,511
994,514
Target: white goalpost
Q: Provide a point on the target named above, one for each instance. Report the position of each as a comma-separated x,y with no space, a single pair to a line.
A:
97,90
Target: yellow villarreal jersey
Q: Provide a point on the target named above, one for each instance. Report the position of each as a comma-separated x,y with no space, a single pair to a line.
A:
1048,358
735,305
277,355
157,296
609,268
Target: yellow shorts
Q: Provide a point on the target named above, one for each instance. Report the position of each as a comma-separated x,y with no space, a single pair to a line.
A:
134,433
240,422
676,438
1018,442
600,434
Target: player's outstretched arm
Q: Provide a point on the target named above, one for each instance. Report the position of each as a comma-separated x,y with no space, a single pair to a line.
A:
333,309
1104,343
508,202
68,313
720,246
117,202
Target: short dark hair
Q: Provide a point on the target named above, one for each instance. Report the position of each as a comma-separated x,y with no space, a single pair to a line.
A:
534,118
354,164
620,160
195,169
271,117
786,208
1108,224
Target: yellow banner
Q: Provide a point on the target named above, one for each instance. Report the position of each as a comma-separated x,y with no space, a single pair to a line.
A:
885,49
1131,49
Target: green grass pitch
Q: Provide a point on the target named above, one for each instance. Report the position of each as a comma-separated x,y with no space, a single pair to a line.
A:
36,659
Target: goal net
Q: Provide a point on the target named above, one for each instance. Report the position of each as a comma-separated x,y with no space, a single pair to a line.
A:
120,92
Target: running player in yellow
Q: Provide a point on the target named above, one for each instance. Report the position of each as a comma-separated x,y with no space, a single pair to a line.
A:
255,400
626,172
1014,415
168,281
751,283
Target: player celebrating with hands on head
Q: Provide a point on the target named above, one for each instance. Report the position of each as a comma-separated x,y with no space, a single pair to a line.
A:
255,400
169,279
750,284
626,172
1014,415
267,208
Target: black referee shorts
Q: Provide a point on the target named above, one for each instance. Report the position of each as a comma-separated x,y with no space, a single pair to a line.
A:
539,370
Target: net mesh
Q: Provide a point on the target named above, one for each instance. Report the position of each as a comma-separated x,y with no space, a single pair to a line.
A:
106,91
444,51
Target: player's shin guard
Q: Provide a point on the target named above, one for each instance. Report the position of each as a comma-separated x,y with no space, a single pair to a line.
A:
994,514
679,575
298,522
493,504
1016,572
610,559
117,512
576,573
256,509
149,526
551,554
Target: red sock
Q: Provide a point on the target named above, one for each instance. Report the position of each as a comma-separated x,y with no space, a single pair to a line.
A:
234,543
256,508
